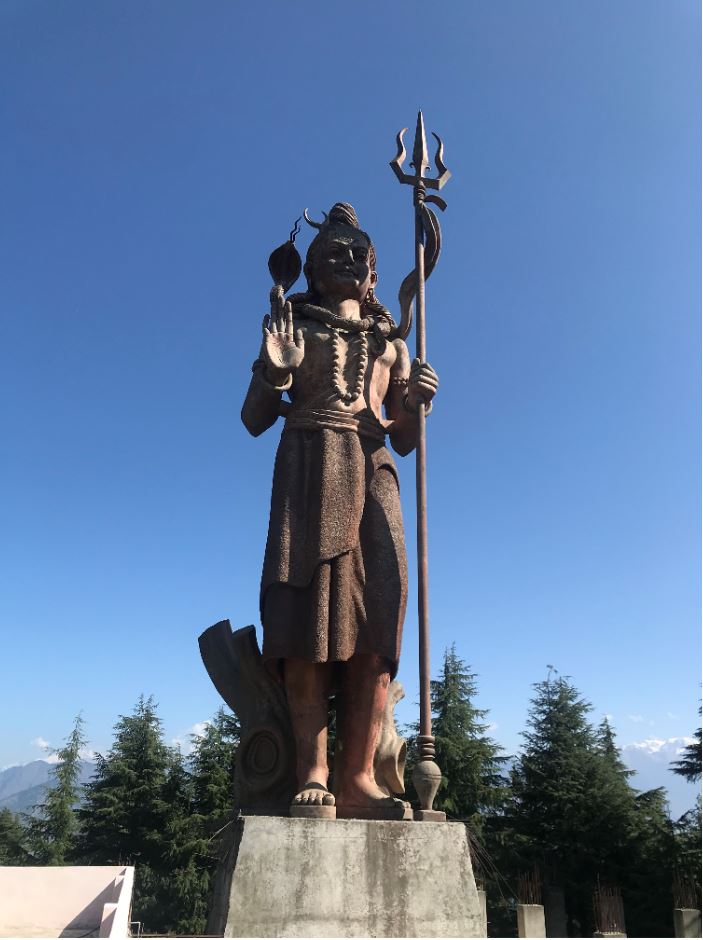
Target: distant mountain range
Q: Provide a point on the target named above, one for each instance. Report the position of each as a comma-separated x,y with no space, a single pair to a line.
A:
650,759
23,786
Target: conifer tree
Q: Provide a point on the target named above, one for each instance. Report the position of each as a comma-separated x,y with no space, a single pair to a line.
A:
471,762
609,751
647,878
131,809
212,766
572,805
148,806
687,835
609,808
689,765
575,815
52,831
194,838
186,863
125,813
13,840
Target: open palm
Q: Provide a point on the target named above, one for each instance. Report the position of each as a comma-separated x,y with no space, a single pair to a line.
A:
283,348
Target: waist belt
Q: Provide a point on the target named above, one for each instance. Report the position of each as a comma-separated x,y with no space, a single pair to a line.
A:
364,423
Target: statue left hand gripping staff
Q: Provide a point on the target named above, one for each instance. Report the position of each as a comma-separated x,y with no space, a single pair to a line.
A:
334,583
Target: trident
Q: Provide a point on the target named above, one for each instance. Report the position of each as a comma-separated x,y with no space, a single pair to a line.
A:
426,775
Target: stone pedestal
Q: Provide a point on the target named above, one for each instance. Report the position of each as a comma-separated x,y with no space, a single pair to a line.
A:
345,878
687,922
530,920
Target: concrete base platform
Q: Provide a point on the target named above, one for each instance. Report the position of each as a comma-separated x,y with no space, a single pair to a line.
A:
345,878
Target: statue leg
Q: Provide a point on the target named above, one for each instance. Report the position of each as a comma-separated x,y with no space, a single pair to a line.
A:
364,690
308,689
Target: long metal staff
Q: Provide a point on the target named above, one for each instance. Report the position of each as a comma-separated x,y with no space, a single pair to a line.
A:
427,775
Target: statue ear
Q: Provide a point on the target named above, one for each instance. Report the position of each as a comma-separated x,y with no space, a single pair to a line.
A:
307,271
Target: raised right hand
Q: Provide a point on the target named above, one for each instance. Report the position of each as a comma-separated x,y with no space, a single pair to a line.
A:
283,351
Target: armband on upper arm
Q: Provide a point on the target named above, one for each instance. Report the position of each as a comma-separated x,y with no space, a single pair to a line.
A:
400,381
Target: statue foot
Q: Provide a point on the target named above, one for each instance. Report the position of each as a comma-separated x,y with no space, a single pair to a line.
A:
313,802
363,799
389,807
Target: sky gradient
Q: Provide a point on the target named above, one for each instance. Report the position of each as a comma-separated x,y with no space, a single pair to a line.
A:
155,153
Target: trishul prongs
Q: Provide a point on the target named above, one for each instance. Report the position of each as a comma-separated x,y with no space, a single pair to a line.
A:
420,163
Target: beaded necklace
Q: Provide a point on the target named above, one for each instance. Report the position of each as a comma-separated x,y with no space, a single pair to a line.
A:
344,394
378,325
334,321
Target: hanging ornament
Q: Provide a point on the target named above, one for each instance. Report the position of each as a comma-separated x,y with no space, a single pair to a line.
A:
285,264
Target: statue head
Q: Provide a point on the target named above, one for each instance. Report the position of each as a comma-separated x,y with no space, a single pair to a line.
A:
341,261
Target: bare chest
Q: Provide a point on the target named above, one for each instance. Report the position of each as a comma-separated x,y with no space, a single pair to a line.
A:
352,369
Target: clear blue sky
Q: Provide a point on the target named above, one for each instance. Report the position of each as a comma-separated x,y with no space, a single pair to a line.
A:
155,153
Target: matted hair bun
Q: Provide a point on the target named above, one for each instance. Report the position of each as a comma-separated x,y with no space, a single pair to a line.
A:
342,213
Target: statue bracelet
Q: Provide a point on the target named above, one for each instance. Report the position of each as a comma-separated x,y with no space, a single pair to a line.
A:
413,411
259,369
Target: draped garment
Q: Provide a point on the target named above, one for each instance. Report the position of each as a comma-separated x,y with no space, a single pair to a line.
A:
334,581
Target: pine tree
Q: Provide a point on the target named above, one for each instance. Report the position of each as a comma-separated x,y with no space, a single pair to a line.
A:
471,761
13,840
687,836
212,766
186,861
125,814
689,766
52,830
194,838
572,809
636,839
608,790
647,878
574,814
148,806
130,810
553,768
472,781
610,752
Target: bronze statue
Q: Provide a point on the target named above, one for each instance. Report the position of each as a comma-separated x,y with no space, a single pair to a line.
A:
334,583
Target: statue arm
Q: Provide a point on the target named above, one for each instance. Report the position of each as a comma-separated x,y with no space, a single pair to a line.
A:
410,385
282,351
403,430
262,404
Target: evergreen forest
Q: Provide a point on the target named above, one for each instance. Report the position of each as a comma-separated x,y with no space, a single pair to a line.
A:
560,815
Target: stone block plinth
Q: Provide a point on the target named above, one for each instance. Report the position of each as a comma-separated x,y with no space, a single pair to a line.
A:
530,920
345,878
687,922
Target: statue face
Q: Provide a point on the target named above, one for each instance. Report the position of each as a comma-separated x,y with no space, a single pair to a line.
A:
340,266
